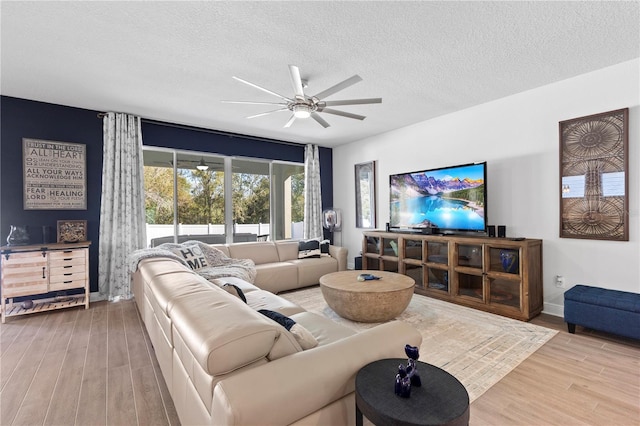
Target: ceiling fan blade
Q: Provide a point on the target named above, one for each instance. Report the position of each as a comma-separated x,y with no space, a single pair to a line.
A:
291,120
296,81
268,112
263,89
354,102
319,119
343,114
338,87
253,103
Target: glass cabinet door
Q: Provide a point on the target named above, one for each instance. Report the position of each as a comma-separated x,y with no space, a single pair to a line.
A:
470,255
415,272
389,247
438,279
372,263
470,285
389,265
412,250
504,292
372,245
469,271
504,276
505,260
438,252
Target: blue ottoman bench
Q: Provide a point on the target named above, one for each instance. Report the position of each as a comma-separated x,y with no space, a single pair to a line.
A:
612,311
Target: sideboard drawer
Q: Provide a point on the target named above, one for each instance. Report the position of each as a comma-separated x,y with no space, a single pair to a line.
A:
67,255
64,283
68,276
66,269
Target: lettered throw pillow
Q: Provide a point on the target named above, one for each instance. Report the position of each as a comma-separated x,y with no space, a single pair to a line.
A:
193,255
304,338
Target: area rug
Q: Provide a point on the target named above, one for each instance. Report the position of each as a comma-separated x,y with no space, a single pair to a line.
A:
477,347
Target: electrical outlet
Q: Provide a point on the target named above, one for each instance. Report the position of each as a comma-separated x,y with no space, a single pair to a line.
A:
559,281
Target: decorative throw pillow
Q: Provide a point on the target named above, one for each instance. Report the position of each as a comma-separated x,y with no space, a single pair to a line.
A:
193,255
309,249
324,248
304,338
235,290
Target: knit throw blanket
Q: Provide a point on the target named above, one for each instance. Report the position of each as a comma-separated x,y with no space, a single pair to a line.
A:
218,264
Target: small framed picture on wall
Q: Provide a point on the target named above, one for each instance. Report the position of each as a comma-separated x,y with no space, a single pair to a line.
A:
72,231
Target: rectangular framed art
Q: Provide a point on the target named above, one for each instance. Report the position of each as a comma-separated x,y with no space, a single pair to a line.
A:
54,175
594,176
72,231
366,195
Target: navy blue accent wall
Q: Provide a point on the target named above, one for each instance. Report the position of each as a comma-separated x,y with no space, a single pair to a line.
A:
22,118
27,119
193,139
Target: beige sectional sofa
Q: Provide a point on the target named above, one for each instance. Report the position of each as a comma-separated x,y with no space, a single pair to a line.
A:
227,364
278,267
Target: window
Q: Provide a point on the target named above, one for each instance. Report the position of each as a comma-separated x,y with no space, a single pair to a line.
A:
250,185
186,198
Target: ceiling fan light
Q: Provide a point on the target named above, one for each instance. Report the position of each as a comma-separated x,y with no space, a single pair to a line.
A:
302,111
202,166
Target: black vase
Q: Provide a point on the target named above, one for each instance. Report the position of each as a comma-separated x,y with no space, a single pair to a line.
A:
18,235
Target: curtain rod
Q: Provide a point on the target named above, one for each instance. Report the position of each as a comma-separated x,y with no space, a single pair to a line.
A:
215,132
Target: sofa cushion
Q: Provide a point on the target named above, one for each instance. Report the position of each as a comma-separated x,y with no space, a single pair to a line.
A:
245,286
166,287
287,250
155,266
260,252
224,334
323,329
263,299
304,338
310,270
276,277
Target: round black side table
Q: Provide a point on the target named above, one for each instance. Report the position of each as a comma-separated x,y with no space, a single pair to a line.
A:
441,400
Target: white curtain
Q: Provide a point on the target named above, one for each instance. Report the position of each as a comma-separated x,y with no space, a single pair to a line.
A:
312,193
122,217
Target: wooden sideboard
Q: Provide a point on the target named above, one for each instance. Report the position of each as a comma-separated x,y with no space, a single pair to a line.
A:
35,270
498,275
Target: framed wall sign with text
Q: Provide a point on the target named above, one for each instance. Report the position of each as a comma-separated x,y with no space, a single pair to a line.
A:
55,175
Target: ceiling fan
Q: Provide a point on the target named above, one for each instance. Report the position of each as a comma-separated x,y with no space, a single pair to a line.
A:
304,106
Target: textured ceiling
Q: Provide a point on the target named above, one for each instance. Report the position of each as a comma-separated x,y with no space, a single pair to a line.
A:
173,61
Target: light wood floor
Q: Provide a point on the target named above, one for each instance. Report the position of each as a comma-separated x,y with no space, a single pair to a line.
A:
96,367
587,378
83,367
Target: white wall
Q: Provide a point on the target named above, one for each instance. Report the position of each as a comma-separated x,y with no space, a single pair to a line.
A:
518,137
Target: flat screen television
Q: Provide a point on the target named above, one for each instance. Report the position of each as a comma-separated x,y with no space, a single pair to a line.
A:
452,199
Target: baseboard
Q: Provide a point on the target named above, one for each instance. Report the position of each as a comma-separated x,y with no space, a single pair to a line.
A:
553,309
